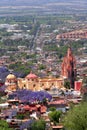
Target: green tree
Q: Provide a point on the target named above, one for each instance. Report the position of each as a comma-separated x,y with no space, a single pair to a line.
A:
84,80
52,109
41,67
39,125
20,116
76,118
85,97
54,116
84,89
67,84
4,125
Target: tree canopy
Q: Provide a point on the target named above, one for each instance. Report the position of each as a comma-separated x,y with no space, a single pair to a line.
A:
39,125
76,118
54,116
67,84
4,125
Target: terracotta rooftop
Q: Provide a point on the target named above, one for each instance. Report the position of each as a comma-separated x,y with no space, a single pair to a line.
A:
57,102
31,76
57,127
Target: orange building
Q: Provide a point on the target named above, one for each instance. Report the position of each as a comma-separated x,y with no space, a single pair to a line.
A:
78,34
69,67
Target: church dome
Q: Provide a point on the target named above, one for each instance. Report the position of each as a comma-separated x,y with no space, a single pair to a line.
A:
31,76
11,76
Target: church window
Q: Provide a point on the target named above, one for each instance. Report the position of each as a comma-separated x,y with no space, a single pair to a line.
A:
34,85
52,84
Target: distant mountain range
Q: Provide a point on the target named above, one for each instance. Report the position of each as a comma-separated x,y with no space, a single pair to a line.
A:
39,2
15,7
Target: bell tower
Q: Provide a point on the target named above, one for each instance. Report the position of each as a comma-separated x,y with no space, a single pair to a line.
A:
69,67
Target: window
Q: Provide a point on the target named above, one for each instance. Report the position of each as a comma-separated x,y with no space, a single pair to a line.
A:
52,84
34,85
42,84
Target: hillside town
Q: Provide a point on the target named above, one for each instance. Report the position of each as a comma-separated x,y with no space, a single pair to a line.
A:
43,65
31,98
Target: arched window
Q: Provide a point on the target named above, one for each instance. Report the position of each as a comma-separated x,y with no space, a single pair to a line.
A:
24,86
34,85
42,84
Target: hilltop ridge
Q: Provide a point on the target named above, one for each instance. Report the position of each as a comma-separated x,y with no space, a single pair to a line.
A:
38,2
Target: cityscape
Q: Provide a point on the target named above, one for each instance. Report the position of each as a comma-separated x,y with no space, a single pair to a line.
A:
43,65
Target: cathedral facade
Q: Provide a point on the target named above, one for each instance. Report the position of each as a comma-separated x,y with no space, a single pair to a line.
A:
32,82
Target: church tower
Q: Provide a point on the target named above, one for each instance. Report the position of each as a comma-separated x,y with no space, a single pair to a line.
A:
69,67
11,82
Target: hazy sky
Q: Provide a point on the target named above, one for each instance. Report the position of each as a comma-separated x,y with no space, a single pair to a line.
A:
7,2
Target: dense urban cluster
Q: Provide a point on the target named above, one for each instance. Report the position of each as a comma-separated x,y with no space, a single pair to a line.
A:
43,66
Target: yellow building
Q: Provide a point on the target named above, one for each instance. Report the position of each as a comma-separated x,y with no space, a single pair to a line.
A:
11,82
32,82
